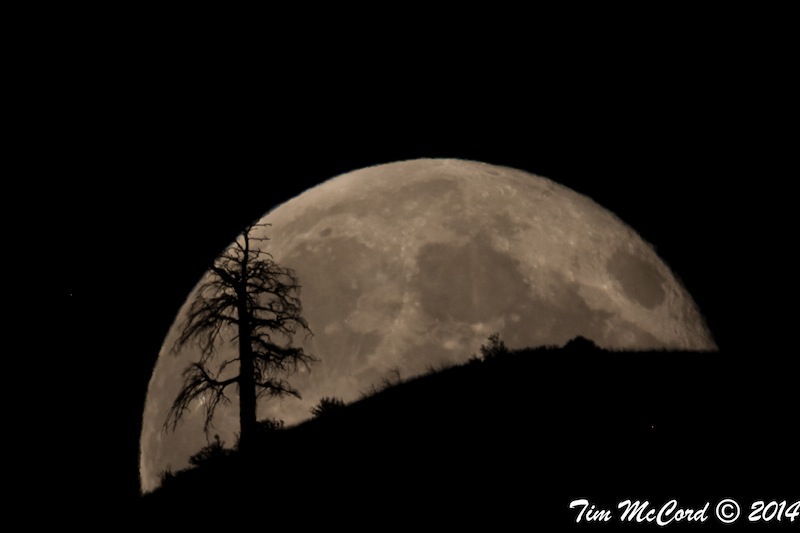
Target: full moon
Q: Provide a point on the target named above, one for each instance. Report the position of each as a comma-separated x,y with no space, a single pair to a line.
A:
408,265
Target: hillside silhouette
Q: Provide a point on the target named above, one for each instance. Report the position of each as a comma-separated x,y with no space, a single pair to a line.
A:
509,435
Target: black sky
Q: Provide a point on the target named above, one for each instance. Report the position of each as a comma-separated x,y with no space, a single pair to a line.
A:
160,155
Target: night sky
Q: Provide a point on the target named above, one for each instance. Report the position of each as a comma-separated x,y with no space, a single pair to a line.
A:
158,161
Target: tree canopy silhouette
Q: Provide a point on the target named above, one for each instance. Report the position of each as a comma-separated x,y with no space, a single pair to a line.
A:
248,299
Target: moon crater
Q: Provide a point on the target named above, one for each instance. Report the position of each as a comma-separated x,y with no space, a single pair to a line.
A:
640,280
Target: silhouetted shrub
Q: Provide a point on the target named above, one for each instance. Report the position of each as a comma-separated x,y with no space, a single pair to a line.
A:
392,379
267,431
494,348
212,453
166,477
581,344
326,406
270,425
432,369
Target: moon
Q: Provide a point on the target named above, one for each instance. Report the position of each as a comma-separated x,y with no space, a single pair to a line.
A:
408,265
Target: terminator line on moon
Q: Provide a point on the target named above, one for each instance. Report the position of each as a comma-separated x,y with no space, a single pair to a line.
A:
411,264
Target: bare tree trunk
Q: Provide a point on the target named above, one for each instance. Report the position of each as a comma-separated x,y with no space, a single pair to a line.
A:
247,385
247,394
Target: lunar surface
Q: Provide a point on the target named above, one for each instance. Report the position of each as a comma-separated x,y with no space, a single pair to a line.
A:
412,264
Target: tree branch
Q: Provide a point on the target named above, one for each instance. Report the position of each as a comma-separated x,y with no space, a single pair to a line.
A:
276,388
198,384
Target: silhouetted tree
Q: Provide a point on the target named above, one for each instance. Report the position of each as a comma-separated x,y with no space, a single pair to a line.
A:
246,298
